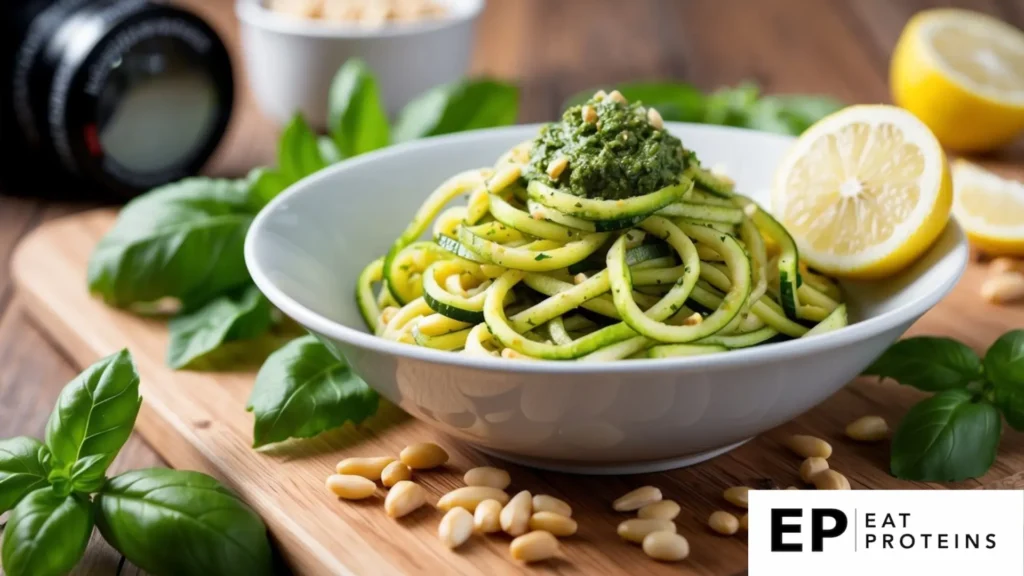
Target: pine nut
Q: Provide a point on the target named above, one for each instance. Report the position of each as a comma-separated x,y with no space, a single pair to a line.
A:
579,278
724,523
369,468
868,429
737,496
487,518
637,529
811,467
557,166
534,547
1004,264
403,498
350,487
694,319
423,456
637,499
589,114
750,210
600,95
1002,288
743,523
515,516
559,525
394,473
654,119
487,476
666,546
470,497
616,96
455,528
808,446
831,480
664,510
545,503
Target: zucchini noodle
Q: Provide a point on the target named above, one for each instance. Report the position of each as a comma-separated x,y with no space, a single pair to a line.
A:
524,270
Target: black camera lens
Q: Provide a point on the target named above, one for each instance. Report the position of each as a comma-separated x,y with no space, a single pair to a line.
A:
117,96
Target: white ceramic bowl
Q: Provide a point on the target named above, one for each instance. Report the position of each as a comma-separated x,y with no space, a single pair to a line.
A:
306,248
291,61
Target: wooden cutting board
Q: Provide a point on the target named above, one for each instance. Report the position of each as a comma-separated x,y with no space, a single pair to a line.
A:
197,420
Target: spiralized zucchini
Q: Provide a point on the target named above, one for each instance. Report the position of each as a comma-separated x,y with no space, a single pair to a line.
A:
525,271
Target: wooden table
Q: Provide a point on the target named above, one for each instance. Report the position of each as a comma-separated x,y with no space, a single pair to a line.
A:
552,48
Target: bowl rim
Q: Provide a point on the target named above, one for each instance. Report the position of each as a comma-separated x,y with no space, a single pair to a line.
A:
253,13
779,351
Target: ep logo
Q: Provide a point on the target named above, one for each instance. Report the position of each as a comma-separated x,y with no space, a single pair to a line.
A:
821,523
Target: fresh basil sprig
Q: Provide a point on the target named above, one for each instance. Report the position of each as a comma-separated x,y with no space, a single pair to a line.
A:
955,434
240,316
167,521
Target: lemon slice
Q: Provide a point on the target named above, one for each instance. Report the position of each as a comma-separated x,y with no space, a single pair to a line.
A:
990,208
864,191
962,73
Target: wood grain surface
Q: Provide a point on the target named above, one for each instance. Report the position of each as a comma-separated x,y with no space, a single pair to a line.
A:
553,48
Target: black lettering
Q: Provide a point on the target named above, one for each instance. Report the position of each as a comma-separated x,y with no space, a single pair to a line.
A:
943,541
991,539
869,539
886,540
888,522
779,528
818,531
925,537
903,541
973,540
904,515
869,520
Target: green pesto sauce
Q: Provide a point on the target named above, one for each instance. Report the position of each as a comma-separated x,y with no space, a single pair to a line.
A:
619,156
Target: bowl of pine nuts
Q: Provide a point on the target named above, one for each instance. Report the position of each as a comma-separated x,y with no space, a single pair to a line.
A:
293,48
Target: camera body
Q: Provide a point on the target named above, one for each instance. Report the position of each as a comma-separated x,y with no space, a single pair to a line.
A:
107,97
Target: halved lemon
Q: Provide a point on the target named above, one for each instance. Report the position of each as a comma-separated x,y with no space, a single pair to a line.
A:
990,208
962,74
864,191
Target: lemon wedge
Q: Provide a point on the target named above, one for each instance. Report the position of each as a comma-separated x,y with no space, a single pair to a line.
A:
990,208
962,74
864,191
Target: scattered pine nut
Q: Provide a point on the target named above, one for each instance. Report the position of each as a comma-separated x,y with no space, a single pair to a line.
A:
600,95
515,516
557,524
470,497
808,446
637,499
545,503
811,467
663,510
589,114
557,166
654,119
350,487
423,456
868,429
737,496
394,473
831,480
487,518
1004,264
487,476
694,319
1003,288
404,498
455,528
369,468
579,278
616,96
637,529
666,546
534,547
724,523
743,522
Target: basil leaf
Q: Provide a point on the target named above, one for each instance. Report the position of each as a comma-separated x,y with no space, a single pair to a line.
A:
928,363
676,101
46,534
298,153
264,185
731,106
801,110
94,416
21,469
174,522
329,150
459,106
303,390
356,116
240,316
768,115
946,438
182,240
1004,366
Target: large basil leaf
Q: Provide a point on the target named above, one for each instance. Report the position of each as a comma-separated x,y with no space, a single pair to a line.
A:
46,534
1004,366
946,438
180,523
928,363
264,185
298,153
182,240
303,390
676,101
94,416
21,469
357,118
464,105
240,316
